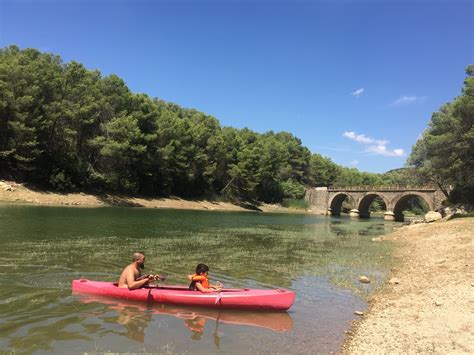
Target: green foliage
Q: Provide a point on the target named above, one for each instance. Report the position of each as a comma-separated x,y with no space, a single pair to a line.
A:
68,127
60,181
354,177
378,205
402,176
300,204
445,153
292,189
322,171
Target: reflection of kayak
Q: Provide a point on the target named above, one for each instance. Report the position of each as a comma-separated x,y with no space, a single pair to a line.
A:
276,321
228,298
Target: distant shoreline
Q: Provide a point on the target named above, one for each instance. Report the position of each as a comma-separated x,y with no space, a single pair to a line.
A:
426,306
20,194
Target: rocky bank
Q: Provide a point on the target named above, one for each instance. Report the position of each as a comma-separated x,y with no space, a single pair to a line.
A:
427,306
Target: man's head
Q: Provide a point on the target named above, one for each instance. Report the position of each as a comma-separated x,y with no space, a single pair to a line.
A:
139,258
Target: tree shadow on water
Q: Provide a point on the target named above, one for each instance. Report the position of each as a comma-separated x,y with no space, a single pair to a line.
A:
249,206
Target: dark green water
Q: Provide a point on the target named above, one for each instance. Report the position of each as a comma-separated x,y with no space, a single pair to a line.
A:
320,258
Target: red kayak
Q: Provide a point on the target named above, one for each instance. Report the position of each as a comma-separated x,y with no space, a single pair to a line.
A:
244,298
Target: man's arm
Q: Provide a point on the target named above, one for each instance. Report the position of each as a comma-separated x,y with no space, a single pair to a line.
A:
134,284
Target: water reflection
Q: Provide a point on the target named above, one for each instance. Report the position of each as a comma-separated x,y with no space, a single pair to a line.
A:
134,321
135,316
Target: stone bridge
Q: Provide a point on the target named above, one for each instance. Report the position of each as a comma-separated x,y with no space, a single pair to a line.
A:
324,200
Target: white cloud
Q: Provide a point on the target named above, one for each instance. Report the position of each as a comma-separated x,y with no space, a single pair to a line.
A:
376,146
358,92
362,138
382,150
354,162
406,100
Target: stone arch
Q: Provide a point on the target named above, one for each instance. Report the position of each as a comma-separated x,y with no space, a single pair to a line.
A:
366,200
399,205
335,203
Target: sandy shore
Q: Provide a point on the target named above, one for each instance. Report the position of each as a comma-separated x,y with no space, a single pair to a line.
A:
12,192
431,308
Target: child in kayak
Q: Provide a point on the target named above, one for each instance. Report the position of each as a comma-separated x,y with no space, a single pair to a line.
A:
200,282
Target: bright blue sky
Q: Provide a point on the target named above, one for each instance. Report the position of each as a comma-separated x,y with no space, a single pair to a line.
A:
356,81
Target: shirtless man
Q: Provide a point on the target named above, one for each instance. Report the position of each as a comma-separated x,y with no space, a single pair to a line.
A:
131,275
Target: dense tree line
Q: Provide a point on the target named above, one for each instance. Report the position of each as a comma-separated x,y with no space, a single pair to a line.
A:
444,154
67,127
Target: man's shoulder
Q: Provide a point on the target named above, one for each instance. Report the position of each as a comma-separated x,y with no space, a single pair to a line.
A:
129,268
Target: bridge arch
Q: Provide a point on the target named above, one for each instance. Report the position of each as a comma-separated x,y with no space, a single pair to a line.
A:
400,204
330,199
335,203
366,200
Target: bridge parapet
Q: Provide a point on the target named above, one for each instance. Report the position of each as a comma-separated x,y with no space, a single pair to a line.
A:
391,188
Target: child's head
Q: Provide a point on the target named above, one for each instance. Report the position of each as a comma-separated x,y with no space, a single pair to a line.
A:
201,269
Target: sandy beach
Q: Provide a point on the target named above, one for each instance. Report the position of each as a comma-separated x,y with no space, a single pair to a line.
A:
427,306
12,192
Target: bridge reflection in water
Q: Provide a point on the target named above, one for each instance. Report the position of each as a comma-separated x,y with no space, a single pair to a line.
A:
136,315
324,200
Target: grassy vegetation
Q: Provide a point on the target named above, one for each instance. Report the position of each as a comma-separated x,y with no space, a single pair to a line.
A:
300,204
467,215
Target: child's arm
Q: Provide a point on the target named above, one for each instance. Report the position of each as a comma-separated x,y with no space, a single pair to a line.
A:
218,286
203,289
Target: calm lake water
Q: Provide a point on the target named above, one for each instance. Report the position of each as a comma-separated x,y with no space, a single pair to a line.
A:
320,258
